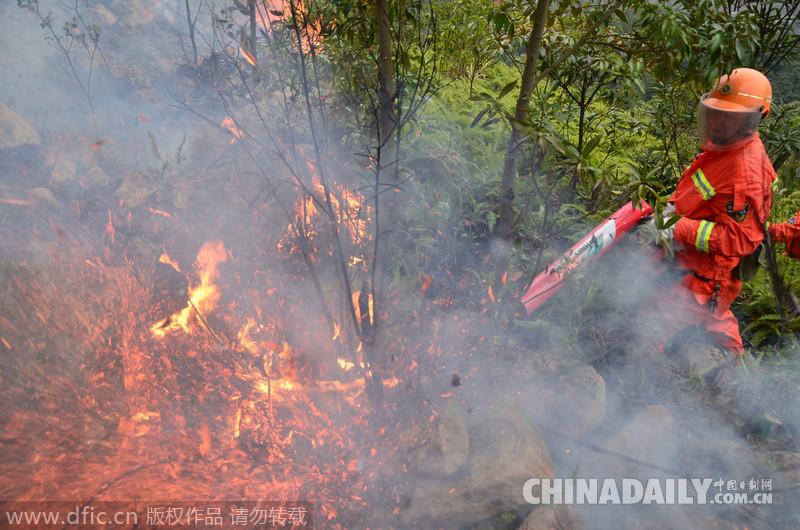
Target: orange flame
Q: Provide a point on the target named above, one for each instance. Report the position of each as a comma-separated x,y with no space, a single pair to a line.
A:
229,124
348,207
203,297
282,10
169,261
359,316
247,54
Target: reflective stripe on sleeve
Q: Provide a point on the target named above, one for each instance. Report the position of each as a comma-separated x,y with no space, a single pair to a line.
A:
703,235
702,185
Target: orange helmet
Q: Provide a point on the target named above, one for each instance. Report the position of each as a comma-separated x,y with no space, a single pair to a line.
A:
730,112
744,88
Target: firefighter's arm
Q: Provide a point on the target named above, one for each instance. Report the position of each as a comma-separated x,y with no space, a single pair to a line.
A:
785,231
778,231
721,234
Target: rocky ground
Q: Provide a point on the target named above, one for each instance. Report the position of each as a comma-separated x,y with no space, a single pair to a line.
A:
549,418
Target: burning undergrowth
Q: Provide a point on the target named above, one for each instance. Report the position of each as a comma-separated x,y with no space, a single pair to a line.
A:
162,338
117,386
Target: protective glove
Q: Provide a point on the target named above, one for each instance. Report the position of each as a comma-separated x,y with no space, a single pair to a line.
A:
666,235
665,230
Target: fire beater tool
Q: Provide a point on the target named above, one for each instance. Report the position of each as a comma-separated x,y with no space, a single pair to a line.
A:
594,244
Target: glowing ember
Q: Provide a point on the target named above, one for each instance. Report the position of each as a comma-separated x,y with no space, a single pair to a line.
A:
345,364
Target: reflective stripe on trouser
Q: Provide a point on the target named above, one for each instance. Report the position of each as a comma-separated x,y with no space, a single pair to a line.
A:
667,311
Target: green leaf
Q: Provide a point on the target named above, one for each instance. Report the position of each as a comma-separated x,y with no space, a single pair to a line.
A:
591,145
506,89
571,152
666,223
501,22
479,116
491,220
482,96
739,49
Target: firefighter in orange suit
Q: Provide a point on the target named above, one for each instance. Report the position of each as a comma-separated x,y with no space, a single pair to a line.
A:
723,199
788,232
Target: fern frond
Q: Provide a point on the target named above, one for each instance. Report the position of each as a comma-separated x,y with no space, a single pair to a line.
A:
178,157
154,147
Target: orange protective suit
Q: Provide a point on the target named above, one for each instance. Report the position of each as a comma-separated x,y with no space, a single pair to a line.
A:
724,198
788,232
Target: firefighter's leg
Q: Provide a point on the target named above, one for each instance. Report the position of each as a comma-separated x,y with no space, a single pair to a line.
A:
687,302
724,328
667,311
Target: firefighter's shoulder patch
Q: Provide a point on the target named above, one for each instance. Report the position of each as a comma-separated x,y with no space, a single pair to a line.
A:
740,215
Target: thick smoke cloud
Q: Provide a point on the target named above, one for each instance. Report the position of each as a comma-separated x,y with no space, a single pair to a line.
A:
143,165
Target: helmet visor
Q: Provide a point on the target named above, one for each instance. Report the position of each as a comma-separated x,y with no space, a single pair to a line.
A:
723,126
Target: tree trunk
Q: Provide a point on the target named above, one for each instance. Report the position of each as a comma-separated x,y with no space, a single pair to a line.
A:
506,220
385,73
385,171
251,6
385,185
